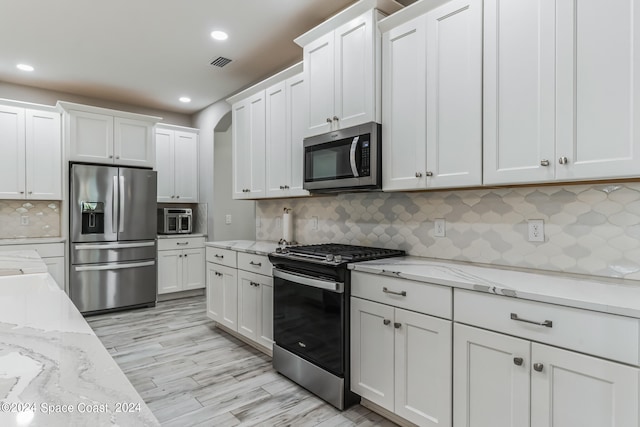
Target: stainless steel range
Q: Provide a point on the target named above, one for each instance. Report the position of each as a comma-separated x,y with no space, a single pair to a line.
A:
311,310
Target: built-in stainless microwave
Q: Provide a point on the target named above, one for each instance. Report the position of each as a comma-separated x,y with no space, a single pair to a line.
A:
174,220
344,160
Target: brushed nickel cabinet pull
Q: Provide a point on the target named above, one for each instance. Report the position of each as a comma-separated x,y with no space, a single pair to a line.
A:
538,367
518,361
387,291
255,264
386,321
397,325
546,323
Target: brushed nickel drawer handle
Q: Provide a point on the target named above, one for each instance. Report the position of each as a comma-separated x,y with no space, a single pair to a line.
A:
219,256
546,323
256,264
182,243
401,293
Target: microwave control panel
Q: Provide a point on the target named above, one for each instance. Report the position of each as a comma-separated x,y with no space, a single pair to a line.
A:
366,160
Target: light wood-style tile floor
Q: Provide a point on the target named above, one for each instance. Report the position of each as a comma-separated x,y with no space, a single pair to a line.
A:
192,374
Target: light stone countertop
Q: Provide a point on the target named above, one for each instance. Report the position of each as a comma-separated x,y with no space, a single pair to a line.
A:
180,236
621,297
50,360
21,262
32,240
258,247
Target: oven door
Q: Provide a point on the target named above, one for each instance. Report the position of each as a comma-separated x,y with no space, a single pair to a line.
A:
309,318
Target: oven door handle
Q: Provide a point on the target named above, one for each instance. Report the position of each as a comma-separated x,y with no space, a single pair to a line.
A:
303,279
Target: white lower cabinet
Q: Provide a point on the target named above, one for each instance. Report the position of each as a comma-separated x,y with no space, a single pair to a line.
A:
52,255
501,380
255,307
180,264
222,295
240,295
401,359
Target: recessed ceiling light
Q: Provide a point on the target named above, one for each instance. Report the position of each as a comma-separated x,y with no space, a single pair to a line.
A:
185,99
24,67
219,35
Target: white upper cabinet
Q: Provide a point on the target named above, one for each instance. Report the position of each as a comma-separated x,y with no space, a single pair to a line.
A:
177,164
342,72
560,90
285,112
31,164
432,87
248,117
98,135
598,93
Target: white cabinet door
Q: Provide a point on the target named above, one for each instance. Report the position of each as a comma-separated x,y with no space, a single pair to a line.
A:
355,71
90,137
404,109
12,160
598,94
249,147
372,351
422,368
248,296
519,90
490,388
43,155
454,94
169,271
319,60
264,332
222,295
277,159
241,149
186,167
133,143
55,267
297,107
570,389
193,269
165,165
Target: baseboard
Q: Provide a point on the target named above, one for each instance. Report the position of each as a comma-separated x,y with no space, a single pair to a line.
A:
386,413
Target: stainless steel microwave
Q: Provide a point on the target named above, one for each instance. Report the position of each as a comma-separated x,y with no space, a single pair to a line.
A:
175,220
344,160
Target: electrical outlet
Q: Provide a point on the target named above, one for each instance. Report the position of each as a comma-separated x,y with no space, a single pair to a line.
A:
439,227
24,220
536,230
314,222
227,219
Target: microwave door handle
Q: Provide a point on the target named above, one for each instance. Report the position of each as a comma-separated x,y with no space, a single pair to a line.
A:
352,156
122,195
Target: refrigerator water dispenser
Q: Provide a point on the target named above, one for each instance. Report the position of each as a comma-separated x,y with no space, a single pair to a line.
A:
92,217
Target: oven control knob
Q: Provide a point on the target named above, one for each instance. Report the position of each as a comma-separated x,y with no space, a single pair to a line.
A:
337,258
329,257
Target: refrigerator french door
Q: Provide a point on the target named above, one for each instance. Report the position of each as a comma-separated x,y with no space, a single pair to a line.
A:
113,227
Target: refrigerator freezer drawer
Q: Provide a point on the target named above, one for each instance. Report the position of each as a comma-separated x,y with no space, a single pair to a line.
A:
99,287
93,253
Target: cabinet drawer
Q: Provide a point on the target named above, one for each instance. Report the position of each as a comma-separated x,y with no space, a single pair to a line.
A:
45,250
221,256
600,334
180,243
259,264
419,296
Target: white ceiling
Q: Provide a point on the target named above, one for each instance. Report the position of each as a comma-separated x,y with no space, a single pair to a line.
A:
151,52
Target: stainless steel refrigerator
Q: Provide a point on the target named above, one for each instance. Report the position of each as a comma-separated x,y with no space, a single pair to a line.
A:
112,213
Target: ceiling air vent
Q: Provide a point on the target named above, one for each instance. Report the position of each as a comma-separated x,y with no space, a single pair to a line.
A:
220,61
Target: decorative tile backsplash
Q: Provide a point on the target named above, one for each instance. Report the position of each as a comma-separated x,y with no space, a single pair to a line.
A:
589,229
43,218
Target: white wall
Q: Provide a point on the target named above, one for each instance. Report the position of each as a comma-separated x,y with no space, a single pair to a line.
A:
49,97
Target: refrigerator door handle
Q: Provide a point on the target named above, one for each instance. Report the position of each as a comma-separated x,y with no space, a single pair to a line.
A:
93,247
121,204
114,198
114,266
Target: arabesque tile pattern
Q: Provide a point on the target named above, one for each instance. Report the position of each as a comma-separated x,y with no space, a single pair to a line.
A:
589,229
44,218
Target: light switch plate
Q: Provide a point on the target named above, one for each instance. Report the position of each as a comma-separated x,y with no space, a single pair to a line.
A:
227,219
